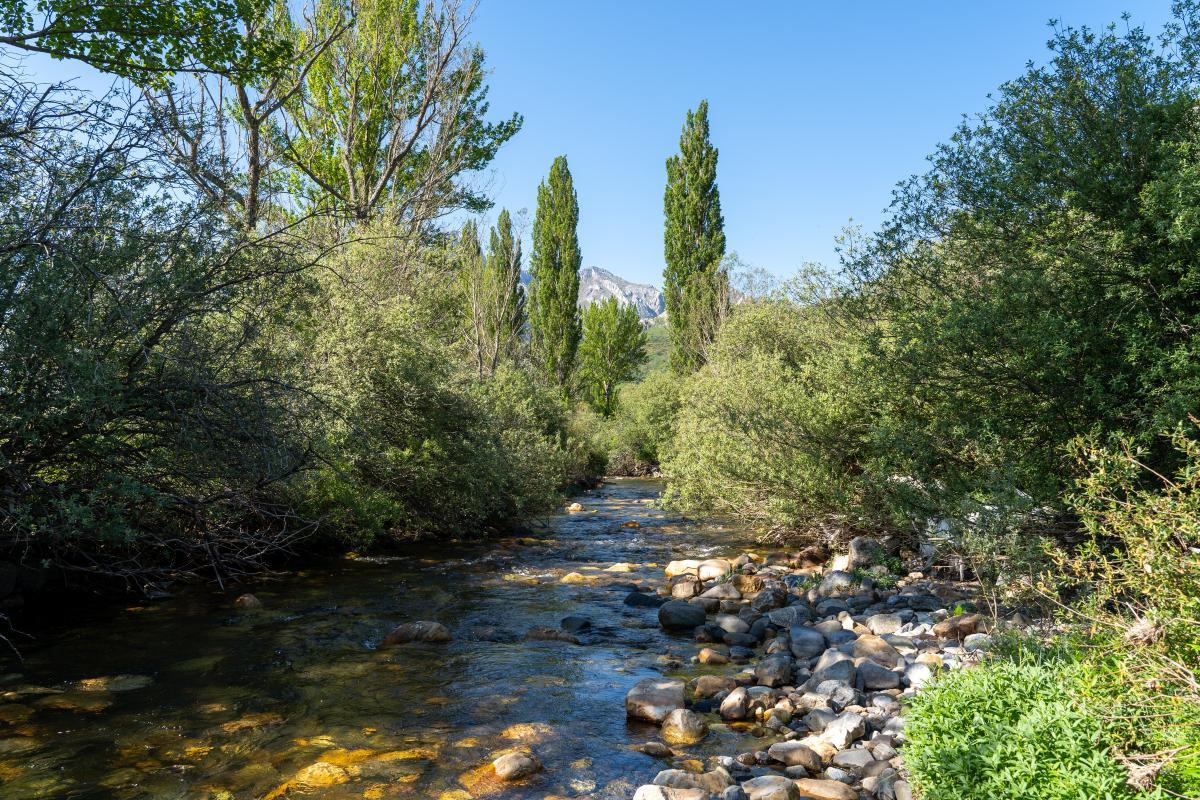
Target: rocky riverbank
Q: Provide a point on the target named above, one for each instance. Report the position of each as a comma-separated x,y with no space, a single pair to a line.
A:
819,655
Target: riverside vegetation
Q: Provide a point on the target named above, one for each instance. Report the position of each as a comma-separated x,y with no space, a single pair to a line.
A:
236,325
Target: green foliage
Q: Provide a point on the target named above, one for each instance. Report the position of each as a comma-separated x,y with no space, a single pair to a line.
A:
639,434
554,266
1037,284
145,40
418,448
612,351
774,427
695,286
1028,729
142,409
390,111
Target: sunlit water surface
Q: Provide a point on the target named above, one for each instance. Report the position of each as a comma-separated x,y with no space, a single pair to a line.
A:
219,703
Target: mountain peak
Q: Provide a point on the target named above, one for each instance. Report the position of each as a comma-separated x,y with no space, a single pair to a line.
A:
597,284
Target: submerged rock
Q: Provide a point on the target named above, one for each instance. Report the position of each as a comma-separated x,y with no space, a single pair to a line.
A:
515,766
421,631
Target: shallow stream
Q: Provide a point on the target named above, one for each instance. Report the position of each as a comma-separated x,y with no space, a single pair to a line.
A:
193,698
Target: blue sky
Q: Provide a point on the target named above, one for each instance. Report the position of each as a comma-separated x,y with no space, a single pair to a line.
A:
818,108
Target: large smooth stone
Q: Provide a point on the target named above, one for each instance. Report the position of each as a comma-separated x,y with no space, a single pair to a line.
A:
865,552
795,754
515,766
874,648
795,614
682,726
845,730
679,615
652,792
876,676
834,665
820,789
713,568
806,642
652,699
713,782
682,567
771,787
736,705
731,623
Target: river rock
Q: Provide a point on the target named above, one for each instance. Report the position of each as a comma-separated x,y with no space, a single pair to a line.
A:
688,566
652,792
713,782
795,614
420,631
856,759
976,642
723,591
774,671
713,568
731,624
846,729
652,699
836,582
747,584
917,675
874,648
677,615
736,706
544,634
643,600
865,552
575,623
880,624
682,726
710,656
707,685
876,676
957,626
806,642
515,766
248,602
685,587
795,754
820,789
773,595
574,508
771,787
833,665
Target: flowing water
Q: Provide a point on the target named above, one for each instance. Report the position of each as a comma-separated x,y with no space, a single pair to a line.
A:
197,699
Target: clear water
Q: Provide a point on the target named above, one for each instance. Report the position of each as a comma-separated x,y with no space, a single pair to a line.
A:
231,704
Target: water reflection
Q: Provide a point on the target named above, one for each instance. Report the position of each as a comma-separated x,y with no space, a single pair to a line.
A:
200,700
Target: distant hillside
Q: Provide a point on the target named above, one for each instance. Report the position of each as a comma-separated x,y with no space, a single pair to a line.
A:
596,284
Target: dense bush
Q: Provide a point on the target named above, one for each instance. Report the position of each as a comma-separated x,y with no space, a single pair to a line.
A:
774,428
637,436
1029,728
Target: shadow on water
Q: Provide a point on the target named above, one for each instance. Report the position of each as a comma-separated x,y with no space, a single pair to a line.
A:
203,701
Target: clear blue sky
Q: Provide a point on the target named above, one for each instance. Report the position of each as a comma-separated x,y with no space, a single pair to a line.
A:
818,108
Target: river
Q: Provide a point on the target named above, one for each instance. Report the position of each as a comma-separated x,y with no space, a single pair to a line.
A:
193,698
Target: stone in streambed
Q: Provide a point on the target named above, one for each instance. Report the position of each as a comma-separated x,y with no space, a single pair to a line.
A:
420,631
820,789
544,634
806,642
652,792
713,782
710,656
682,726
515,766
679,615
794,754
771,787
652,699
644,600
248,602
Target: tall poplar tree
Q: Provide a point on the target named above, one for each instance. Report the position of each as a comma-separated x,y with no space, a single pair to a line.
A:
554,289
504,272
695,287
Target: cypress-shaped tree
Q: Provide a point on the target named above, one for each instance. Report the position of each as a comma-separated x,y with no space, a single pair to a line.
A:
504,273
554,289
695,287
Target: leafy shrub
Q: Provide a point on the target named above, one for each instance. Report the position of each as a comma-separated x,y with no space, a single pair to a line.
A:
774,427
1024,729
636,438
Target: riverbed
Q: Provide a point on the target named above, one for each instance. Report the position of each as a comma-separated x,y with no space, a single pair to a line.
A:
193,698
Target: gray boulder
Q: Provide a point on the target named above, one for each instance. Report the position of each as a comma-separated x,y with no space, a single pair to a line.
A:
679,615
